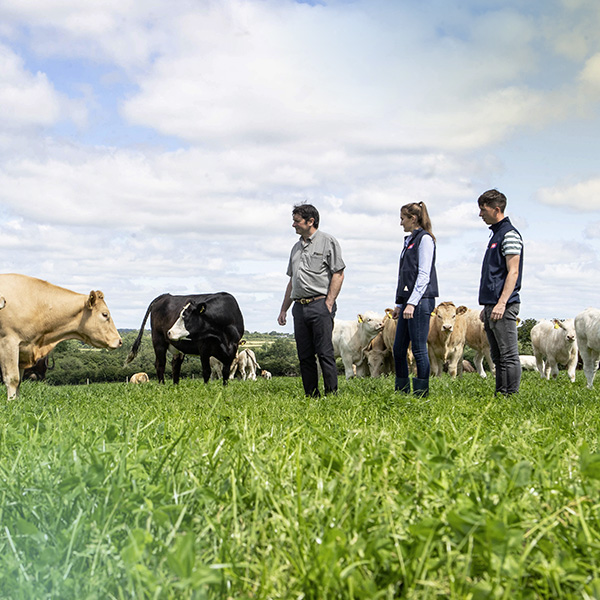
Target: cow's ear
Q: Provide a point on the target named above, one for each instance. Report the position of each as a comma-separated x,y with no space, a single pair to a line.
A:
461,310
92,298
198,307
242,342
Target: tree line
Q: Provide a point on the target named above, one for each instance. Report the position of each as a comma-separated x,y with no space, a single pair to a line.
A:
73,363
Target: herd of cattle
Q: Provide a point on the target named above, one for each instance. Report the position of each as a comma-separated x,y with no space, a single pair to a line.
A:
36,315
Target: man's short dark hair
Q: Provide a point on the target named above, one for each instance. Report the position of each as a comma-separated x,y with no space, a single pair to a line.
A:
493,198
307,211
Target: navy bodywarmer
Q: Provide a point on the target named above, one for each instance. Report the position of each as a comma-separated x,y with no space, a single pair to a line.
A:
494,269
409,270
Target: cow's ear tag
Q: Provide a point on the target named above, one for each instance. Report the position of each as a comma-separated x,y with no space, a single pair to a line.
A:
360,319
202,309
556,326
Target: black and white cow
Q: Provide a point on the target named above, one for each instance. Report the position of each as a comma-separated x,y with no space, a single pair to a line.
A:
201,324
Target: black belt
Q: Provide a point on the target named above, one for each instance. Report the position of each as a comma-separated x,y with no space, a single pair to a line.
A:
309,300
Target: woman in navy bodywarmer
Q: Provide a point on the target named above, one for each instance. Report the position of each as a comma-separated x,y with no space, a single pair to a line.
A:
415,297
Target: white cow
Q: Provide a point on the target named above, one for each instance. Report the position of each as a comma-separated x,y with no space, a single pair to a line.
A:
554,342
266,374
528,362
477,339
350,338
246,364
587,327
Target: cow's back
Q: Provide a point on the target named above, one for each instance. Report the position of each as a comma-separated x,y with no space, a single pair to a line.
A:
222,311
587,328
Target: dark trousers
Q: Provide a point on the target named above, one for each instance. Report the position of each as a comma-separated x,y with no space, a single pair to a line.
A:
414,331
504,347
313,326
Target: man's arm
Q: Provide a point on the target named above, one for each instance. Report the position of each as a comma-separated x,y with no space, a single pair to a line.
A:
287,302
512,263
335,285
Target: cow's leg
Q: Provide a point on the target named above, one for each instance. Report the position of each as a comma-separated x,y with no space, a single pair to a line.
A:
348,369
488,358
160,363
539,361
9,361
571,366
176,363
590,364
552,368
479,364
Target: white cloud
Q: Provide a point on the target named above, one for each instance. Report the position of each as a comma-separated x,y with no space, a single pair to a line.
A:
582,196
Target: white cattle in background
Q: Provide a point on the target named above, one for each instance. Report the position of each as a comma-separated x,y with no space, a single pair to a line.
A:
266,374
528,362
587,328
246,364
477,339
554,343
350,338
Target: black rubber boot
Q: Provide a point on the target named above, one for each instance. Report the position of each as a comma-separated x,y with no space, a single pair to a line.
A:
402,385
420,387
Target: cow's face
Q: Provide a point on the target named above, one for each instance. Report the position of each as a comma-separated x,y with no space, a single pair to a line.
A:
371,322
97,327
189,323
445,316
567,328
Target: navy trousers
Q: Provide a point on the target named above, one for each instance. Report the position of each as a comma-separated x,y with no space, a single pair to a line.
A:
313,326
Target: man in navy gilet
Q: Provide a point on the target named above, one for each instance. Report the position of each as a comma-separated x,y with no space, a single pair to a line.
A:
501,275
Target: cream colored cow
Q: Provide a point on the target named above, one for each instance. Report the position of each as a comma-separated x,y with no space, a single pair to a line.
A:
477,338
139,378
446,340
39,315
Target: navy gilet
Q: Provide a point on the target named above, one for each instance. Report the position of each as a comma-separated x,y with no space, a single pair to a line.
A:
409,270
494,269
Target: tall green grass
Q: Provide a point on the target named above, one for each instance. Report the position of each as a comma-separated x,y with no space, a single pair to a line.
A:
194,491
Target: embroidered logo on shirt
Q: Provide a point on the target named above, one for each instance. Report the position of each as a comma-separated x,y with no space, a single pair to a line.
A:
493,245
409,247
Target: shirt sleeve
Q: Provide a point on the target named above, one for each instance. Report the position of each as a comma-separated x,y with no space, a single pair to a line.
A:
335,261
426,249
512,243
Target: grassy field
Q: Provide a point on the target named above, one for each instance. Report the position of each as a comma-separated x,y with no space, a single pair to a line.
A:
121,491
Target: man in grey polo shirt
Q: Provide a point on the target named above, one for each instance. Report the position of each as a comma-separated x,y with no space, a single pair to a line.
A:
316,272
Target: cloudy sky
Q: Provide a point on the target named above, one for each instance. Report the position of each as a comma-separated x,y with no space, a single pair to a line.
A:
151,146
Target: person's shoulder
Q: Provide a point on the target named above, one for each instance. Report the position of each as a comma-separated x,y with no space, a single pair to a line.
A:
326,236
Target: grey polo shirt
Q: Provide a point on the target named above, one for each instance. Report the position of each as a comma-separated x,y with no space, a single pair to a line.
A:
312,264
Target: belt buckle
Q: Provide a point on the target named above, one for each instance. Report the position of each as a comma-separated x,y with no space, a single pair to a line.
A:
306,300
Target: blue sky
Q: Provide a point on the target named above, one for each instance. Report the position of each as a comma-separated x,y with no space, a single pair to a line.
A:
151,147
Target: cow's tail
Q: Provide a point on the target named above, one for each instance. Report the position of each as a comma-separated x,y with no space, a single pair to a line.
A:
138,341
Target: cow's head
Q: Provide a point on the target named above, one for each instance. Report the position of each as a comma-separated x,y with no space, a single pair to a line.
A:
97,327
375,358
189,322
445,315
371,322
567,328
